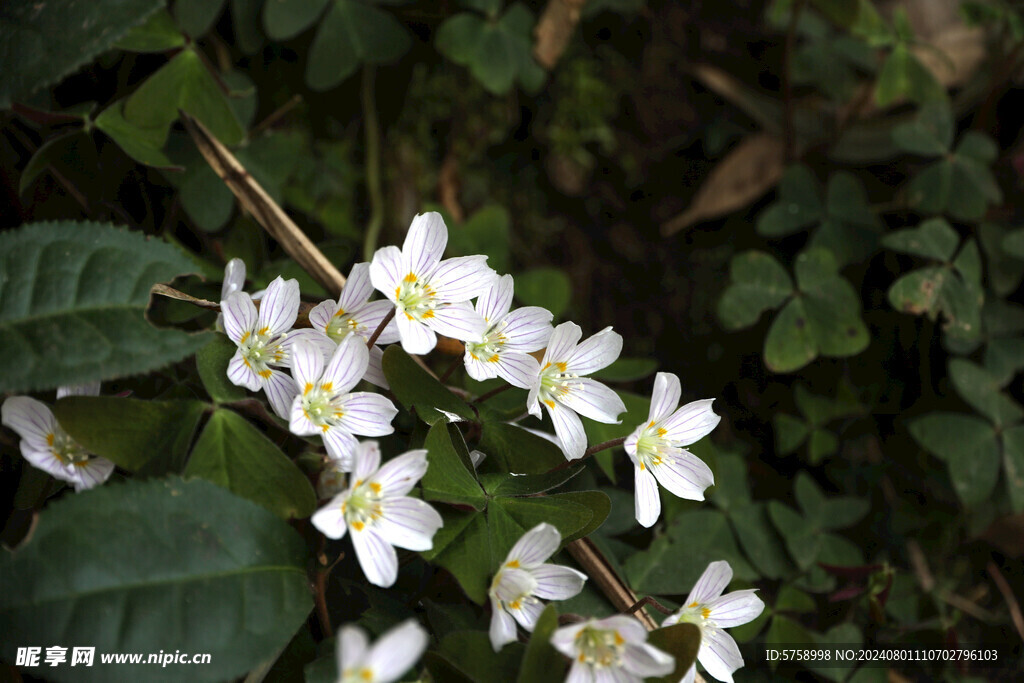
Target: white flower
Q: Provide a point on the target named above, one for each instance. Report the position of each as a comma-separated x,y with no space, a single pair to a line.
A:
711,611
524,579
323,404
610,650
379,513
48,447
264,339
656,449
508,339
431,295
383,662
562,390
234,280
354,313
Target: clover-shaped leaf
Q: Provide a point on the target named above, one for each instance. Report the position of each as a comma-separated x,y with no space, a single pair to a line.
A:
818,411
904,76
979,388
969,446
758,283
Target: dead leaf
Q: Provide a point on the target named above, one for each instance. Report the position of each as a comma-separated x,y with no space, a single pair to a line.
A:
554,30
752,168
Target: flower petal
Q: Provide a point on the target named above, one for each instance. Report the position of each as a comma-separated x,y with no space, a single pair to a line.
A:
396,651
564,638
44,459
341,446
528,613
92,472
369,317
234,277
279,306
408,523
240,373
646,660
307,364
399,475
352,646
597,352
365,460
329,519
377,558
569,430
347,366
683,474
87,389
458,322
736,608
527,329
691,423
357,290
590,398
711,583
535,546
719,654
424,243
511,585
665,397
461,278
496,301
417,338
479,370
321,314
648,501
281,390
31,419
367,414
299,422
375,368
386,270
562,342
240,315
518,369
311,336
555,582
503,627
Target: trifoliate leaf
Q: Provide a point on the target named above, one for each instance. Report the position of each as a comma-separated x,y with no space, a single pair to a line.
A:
350,34
969,447
758,283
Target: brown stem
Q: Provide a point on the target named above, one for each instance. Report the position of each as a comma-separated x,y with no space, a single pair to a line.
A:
596,448
380,328
648,600
1007,593
491,393
320,577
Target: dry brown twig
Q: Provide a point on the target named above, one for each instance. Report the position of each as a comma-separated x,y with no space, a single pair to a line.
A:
555,29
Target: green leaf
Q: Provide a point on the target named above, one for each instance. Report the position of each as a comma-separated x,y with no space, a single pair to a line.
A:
450,477
246,25
802,536
44,43
497,53
156,34
212,363
183,83
136,435
518,450
542,663
934,238
903,76
930,134
197,570
1013,243
850,229
982,391
141,144
627,370
471,654
91,278
758,283
797,207
529,484
682,641
74,149
462,546
485,232
548,288
573,514
352,33
233,454
821,444
196,17
828,512
969,447
285,19
790,432
1013,466
416,389
759,540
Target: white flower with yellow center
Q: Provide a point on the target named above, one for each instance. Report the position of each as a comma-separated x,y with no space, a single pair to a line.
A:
324,405
524,580
431,296
354,314
562,389
509,337
610,650
379,514
264,340
48,447
656,449
385,661
711,612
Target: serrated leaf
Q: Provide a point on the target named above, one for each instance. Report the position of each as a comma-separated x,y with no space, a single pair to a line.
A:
416,389
969,447
757,283
198,570
136,435
91,278
40,43
450,477
352,33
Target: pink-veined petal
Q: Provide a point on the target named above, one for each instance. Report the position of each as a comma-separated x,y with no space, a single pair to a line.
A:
564,638
281,391
307,363
629,627
599,351
329,519
357,290
691,423
533,398
528,613
736,608
352,647
340,445
683,475
240,373
279,306
719,654
369,318
31,419
645,660
367,414
629,445
458,322
398,475
375,368
579,672
569,430
240,316
461,278
518,369
555,582
424,243
496,301
311,336
478,369
321,314
513,584
386,271
396,651
527,329
535,546
562,342
408,523
234,277
91,473
44,459
503,627
665,397
348,365
377,558
690,676
298,421
87,389
417,338
711,583
365,460
648,502
592,399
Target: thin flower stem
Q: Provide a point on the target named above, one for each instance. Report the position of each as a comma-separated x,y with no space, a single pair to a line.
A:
371,128
596,448
320,576
380,328
451,369
648,600
492,393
